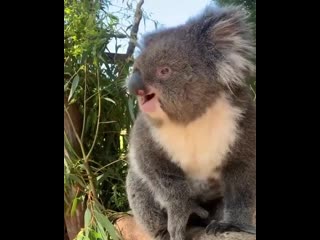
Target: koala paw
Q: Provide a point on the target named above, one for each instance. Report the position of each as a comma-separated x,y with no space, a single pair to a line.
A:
216,227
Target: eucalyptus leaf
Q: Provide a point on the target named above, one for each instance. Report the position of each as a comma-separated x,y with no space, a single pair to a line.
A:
74,85
74,206
110,100
87,219
104,221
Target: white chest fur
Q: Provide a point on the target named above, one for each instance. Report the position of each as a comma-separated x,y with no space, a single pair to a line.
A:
200,147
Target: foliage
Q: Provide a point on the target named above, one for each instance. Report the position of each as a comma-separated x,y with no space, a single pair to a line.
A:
94,82
250,5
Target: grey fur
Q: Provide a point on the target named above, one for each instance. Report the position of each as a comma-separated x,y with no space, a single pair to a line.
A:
208,56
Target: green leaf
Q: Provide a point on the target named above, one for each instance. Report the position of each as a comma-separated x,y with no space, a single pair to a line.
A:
118,47
155,25
98,205
131,108
104,221
103,60
77,180
88,123
110,100
109,71
99,177
83,238
102,232
74,206
67,10
65,87
74,85
128,27
87,219
80,235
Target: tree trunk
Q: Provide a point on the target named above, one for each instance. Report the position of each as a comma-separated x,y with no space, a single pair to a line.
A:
74,223
76,118
66,237
131,231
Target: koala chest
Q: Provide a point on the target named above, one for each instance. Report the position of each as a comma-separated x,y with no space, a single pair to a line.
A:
200,147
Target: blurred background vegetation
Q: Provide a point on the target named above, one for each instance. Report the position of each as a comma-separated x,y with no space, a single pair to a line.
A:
98,113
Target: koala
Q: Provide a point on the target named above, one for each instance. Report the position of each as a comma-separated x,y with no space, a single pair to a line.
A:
192,148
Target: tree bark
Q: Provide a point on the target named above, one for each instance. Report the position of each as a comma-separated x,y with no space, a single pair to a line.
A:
114,57
76,119
73,224
76,222
130,230
200,234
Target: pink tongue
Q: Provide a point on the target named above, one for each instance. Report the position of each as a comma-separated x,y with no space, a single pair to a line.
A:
149,106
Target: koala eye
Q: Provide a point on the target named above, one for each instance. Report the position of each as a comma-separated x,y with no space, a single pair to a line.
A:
163,72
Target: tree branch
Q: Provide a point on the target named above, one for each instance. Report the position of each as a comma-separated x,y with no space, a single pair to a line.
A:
130,230
115,57
200,234
135,28
118,35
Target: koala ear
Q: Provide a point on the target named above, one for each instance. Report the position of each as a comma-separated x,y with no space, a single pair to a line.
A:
227,33
149,38
228,28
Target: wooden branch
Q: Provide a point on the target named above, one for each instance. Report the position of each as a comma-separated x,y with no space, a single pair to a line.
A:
115,57
199,234
131,231
118,35
135,28
76,120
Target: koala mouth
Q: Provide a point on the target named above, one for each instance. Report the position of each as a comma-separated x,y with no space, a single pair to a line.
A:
148,97
148,102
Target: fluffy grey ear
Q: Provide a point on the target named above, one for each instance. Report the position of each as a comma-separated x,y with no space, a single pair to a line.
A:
228,34
149,38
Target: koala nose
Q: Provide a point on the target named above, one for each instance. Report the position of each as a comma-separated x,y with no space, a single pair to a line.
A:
136,85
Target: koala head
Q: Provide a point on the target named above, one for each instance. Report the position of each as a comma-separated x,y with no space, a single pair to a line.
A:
182,70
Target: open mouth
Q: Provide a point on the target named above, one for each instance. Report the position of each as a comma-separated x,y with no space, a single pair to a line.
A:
148,102
148,97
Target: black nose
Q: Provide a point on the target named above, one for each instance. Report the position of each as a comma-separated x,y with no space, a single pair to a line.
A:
135,84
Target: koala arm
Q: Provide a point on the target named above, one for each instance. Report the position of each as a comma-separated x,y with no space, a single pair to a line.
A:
239,200
240,194
171,190
168,183
165,178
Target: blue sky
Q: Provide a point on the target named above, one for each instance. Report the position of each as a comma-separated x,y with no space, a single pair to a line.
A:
173,12
167,12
